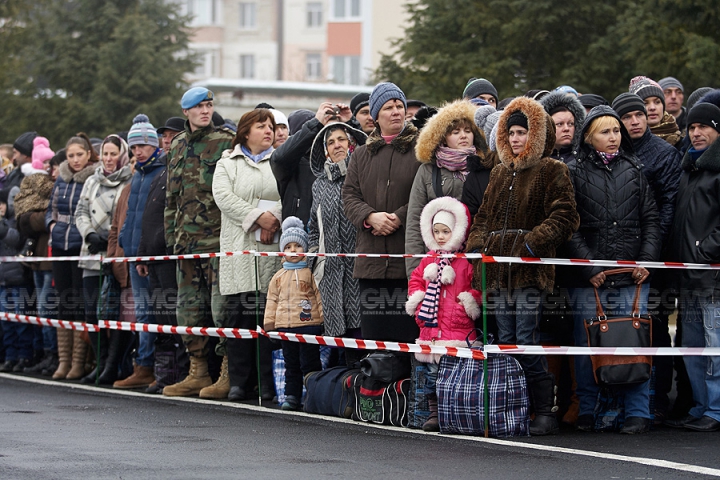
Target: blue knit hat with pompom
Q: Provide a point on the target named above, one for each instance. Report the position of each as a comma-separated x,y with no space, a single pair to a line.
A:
293,230
142,132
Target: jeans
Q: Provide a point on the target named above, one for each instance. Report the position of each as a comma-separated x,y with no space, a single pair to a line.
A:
17,337
517,321
701,328
141,296
431,373
300,359
615,301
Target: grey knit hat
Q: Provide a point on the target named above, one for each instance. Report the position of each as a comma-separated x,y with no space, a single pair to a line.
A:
142,132
628,102
479,86
382,93
293,230
671,82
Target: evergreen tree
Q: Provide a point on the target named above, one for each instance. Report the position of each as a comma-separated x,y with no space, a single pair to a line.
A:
91,65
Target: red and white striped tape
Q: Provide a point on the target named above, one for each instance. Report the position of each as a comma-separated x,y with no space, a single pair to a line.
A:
469,256
361,344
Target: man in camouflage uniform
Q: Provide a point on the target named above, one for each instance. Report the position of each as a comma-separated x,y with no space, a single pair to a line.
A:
192,225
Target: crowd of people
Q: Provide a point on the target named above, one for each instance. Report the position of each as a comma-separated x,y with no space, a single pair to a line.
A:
548,174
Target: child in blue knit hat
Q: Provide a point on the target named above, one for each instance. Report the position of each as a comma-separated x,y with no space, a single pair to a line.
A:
293,306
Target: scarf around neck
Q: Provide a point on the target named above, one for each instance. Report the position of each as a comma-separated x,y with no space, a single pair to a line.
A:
607,157
295,266
152,158
431,301
255,158
454,159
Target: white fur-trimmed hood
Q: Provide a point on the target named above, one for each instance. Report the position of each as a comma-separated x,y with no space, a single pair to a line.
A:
459,232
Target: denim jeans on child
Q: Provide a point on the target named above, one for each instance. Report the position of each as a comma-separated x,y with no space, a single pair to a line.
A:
17,337
615,301
701,328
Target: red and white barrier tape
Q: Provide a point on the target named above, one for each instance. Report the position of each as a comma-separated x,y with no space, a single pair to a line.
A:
361,344
469,256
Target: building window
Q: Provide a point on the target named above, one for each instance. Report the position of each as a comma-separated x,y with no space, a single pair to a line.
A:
203,12
207,63
247,15
313,70
346,9
345,70
314,14
247,66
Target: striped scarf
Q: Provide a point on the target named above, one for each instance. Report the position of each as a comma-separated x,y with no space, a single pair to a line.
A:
429,307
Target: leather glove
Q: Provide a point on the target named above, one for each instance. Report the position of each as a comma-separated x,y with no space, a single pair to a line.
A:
95,243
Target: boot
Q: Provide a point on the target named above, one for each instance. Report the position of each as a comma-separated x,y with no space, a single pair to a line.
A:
542,391
197,379
79,356
100,356
431,424
52,366
43,364
220,389
65,347
141,378
118,345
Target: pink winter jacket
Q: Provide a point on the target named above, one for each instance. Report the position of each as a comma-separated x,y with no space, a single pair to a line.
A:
459,304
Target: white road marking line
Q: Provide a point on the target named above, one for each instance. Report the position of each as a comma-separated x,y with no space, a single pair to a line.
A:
684,467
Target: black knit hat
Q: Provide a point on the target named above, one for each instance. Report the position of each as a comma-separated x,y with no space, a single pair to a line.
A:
479,86
697,95
628,102
359,101
590,100
24,143
517,118
705,114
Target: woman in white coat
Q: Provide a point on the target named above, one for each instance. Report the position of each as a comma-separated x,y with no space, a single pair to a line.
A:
246,192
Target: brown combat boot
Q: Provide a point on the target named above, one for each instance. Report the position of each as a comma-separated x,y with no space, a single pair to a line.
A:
79,354
64,340
220,389
197,379
140,378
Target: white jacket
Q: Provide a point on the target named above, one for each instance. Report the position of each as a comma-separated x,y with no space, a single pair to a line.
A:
238,185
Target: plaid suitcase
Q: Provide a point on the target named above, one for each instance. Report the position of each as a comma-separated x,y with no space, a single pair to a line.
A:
460,396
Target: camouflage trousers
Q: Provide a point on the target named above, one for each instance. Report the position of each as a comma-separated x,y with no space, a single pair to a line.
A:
199,303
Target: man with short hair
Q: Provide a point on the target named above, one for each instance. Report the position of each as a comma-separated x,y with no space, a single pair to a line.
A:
674,98
361,110
192,225
481,88
695,238
167,132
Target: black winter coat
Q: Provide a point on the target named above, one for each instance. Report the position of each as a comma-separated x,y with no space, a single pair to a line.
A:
475,185
618,216
290,164
661,166
695,234
11,243
152,238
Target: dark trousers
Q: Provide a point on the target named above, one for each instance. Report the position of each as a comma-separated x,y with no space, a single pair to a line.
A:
382,311
163,284
242,354
68,286
300,359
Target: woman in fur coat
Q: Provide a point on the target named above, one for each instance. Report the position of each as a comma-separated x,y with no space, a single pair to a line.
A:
340,292
451,148
441,298
528,211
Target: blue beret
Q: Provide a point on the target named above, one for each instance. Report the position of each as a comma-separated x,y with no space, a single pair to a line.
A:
194,96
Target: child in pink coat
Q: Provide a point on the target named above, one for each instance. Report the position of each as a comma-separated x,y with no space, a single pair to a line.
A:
440,295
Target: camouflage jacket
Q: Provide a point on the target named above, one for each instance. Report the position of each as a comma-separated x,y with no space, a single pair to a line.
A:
192,219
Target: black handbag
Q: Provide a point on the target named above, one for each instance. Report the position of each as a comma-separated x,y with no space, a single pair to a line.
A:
386,367
28,250
632,331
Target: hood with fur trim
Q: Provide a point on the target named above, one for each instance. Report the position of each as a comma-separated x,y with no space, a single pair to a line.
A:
317,152
433,134
541,134
559,99
459,232
68,175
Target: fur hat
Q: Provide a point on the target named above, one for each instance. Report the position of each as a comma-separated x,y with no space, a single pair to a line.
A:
443,207
142,132
41,152
558,101
293,230
383,93
433,134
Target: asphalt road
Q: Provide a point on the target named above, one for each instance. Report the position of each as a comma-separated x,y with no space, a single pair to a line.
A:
53,430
